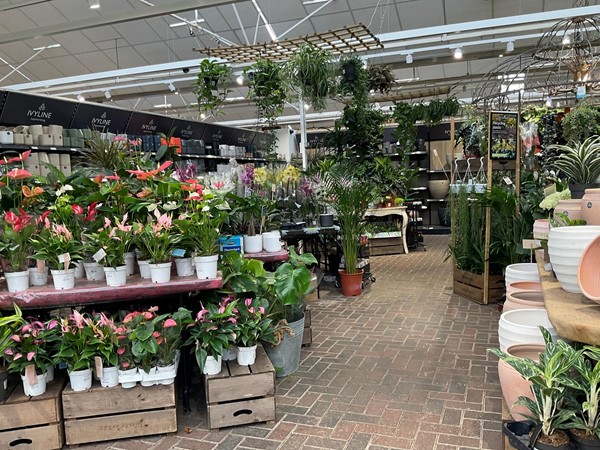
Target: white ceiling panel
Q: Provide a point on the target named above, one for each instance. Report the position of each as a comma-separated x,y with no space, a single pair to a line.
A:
276,11
44,14
97,61
383,22
67,65
214,21
154,52
73,42
15,20
101,34
329,22
16,52
137,32
421,14
335,7
478,10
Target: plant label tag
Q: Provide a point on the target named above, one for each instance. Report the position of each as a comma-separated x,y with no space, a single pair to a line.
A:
41,265
178,252
581,92
98,362
531,244
99,255
508,181
31,375
62,258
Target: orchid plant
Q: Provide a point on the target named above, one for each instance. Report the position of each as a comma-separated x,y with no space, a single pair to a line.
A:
15,235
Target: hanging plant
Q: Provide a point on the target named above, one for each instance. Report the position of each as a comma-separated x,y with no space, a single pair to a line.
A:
406,132
267,89
311,70
353,76
212,87
381,78
580,122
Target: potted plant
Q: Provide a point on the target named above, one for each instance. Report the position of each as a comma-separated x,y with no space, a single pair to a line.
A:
267,88
349,198
580,123
8,325
158,239
251,209
211,85
28,354
549,381
213,331
78,346
381,78
56,245
170,326
580,163
253,325
15,249
311,69
287,288
107,358
144,335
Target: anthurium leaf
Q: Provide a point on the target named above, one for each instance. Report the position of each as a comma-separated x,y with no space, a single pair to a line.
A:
144,331
160,153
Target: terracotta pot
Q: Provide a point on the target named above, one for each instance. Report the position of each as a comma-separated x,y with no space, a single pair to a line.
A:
523,300
541,228
572,208
351,283
524,286
589,271
590,206
513,385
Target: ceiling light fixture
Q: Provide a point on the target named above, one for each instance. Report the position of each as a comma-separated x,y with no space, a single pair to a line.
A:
240,80
163,105
313,2
409,58
46,47
458,53
183,24
510,46
80,98
566,40
107,95
172,87
94,4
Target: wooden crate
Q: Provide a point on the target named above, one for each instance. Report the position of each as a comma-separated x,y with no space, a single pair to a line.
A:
32,423
307,336
241,394
386,246
102,414
470,285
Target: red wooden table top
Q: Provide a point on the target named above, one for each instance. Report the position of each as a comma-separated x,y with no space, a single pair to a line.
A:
91,292
281,255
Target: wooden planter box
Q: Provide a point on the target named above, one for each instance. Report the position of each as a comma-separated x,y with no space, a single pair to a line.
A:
102,414
386,245
32,423
470,285
241,394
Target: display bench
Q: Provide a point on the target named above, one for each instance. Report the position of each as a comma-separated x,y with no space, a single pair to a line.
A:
385,245
96,292
573,316
268,257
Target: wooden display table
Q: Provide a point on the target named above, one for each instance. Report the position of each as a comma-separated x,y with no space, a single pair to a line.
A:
96,292
280,256
387,241
573,316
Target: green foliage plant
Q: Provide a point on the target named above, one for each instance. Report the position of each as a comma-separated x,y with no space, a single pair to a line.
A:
580,161
381,78
268,88
580,123
311,71
8,325
212,89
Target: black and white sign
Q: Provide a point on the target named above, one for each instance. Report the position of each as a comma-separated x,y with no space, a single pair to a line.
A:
101,118
148,124
216,134
188,130
26,109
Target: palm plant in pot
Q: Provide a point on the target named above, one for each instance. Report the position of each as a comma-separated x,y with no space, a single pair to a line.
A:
549,380
580,163
349,198
8,325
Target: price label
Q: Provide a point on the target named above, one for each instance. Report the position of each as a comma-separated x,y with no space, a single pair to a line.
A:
31,375
99,255
41,265
178,252
98,362
508,181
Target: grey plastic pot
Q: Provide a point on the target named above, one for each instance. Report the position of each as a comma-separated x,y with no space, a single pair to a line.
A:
286,356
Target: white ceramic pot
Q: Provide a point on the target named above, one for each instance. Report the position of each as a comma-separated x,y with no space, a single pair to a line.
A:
81,380
130,263
541,229
160,273
230,354
35,389
36,129
37,278
246,355
116,276
212,366
253,244
184,266
206,266
572,209
438,188
565,247
17,281
6,137
521,272
63,279
45,139
271,241
521,326
144,270
93,271
28,138
79,270
57,140
110,377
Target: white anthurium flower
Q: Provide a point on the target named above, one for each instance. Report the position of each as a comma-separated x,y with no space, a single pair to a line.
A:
170,206
152,207
64,189
205,209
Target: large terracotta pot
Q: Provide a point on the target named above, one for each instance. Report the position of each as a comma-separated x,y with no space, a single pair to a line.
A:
589,271
523,300
524,286
572,208
513,385
351,283
590,206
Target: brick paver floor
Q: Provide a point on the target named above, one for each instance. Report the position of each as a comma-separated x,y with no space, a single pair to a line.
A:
403,366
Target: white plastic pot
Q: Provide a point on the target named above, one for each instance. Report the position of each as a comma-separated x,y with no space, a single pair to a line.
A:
212,366
110,377
79,270
17,281
521,326
230,354
160,273
144,270
63,279
184,266
93,271
271,241
246,355
36,389
37,278
81,380
253,244
206,266
130,262
116,276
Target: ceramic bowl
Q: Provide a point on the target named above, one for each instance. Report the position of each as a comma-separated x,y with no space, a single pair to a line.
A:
589,271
